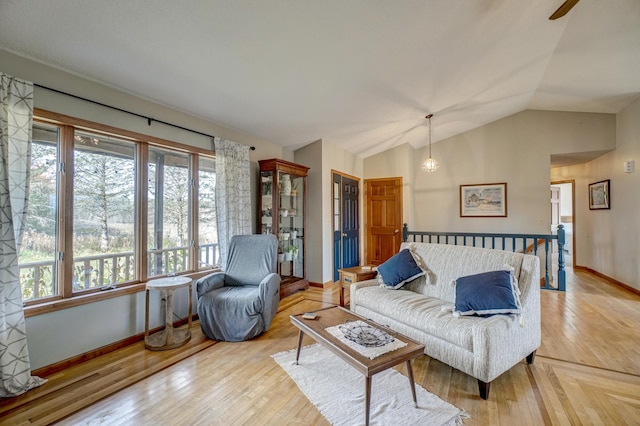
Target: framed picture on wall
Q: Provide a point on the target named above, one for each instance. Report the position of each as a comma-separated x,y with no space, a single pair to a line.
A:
483,200
599,197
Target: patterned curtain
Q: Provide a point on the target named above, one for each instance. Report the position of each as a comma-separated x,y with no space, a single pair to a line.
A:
233,192
16,116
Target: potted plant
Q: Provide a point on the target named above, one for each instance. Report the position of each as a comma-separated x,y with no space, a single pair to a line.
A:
293,251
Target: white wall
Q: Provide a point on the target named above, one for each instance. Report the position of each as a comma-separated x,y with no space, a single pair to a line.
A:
336,158
63,334
52,77
311,156
609,240
515,150
322,157
396,162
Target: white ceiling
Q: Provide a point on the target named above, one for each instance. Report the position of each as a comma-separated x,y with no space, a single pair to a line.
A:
361,74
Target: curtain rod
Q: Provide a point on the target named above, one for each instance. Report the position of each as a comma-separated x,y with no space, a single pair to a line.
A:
149,119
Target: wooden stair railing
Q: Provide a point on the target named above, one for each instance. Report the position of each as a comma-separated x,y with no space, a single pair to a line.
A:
518,243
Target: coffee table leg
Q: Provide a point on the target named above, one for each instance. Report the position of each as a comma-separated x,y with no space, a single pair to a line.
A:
412,384
367,399
300,336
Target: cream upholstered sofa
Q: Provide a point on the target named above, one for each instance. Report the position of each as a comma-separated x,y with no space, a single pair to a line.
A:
482,346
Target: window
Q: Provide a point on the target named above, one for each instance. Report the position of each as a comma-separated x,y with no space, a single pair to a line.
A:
207,231
168,236
38,247
110,209
103,211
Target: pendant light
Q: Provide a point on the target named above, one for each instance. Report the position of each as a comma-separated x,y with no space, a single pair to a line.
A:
430,165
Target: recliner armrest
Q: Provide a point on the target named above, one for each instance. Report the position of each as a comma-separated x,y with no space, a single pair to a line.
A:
209,282
269,289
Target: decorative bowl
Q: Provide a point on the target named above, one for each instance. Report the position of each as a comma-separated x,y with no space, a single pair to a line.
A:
365,334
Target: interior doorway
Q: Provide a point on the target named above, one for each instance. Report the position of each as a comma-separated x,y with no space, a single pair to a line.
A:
383,219
563,213
346,221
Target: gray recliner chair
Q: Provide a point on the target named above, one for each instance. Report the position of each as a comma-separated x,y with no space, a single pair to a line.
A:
240,302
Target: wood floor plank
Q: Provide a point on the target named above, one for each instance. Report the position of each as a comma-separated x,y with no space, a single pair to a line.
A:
587,371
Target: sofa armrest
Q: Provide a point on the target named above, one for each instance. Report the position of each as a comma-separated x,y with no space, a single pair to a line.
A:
501,341
354,287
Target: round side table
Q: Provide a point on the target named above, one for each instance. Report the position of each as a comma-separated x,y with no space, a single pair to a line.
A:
170,337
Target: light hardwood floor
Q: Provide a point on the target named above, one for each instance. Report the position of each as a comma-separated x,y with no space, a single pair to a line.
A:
587,371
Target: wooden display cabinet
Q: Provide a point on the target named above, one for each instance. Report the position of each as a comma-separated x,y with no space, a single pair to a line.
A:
281,211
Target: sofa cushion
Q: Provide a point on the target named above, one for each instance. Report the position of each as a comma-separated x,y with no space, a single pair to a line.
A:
448,262
399,269
428,314
486,294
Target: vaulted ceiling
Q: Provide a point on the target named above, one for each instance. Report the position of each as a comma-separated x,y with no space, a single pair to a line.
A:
361,74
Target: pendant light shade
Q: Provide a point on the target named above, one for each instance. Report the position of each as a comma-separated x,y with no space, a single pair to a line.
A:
430,165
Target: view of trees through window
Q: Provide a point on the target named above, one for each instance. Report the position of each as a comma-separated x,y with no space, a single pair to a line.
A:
103,210
38,246
207,231
106,203
168,211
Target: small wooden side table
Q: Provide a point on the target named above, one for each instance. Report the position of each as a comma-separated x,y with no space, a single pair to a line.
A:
354,275
170,337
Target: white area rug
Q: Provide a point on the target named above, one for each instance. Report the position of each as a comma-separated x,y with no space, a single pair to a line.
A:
337,389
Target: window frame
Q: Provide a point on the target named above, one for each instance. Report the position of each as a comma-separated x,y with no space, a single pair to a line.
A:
66,297
190,195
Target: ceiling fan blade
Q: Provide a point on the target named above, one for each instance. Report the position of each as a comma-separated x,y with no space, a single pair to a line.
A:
563,9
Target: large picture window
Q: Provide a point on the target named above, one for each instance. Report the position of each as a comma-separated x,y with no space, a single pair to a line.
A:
109,209
103,211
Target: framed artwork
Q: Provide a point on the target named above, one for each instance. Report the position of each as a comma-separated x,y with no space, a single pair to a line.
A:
599,195
483,200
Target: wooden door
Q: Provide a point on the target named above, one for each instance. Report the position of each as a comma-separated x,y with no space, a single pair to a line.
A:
383,219
346,222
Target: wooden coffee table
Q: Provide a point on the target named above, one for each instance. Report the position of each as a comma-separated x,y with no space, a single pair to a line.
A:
336,315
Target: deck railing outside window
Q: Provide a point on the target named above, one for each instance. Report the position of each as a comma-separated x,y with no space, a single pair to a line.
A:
113,268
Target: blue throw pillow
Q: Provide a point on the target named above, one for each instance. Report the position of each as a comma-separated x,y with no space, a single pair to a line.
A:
399,269
487,294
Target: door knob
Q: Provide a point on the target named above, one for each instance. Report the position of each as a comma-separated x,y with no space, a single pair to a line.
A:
396,231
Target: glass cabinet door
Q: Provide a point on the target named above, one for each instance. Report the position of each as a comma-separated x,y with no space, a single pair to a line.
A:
282,213
266,203
291,225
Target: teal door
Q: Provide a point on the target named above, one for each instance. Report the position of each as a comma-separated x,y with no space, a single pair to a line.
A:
346,223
